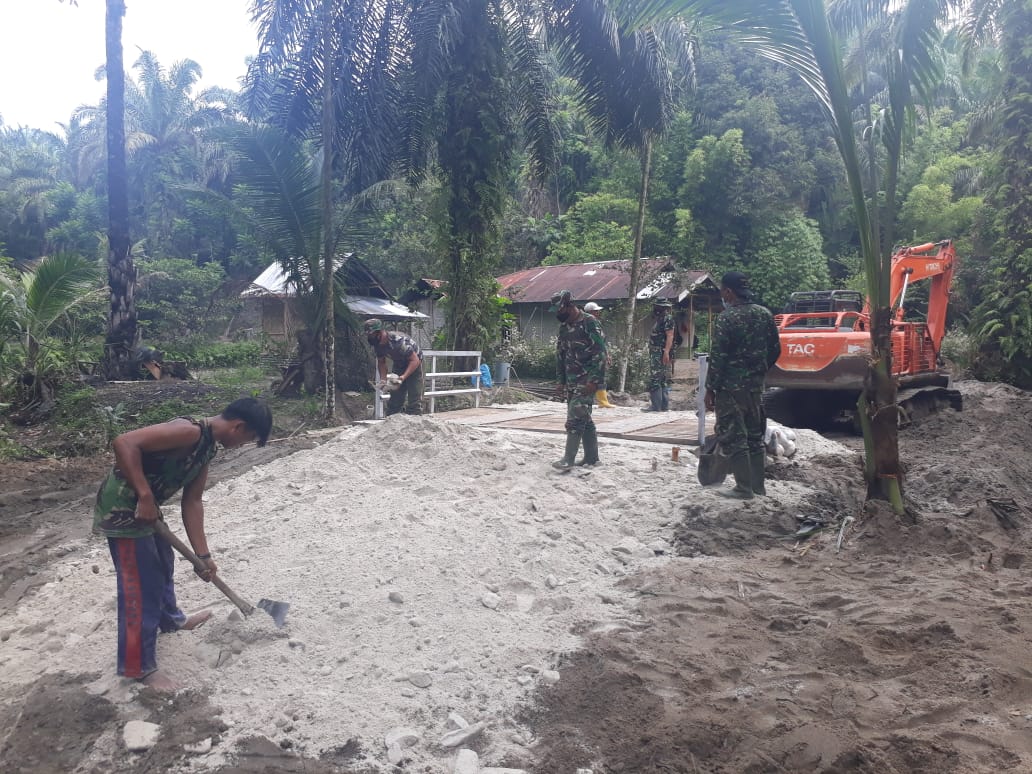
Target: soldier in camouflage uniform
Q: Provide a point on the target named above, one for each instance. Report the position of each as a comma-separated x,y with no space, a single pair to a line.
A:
407,362
581,370
745,345
661,356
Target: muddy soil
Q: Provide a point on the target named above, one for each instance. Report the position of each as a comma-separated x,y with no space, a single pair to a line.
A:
905,650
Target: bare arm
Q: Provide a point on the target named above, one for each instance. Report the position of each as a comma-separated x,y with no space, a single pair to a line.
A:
193,520
381,367
130,447
412,367
668,346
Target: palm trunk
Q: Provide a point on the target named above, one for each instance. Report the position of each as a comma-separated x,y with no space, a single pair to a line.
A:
328,131
883,470
639,231
879,415
122,330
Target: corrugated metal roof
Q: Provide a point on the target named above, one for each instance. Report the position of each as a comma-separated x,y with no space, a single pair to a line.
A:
367,306
603,281
273,282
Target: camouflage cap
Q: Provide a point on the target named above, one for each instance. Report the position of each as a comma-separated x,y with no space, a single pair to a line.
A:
662,302
373,324
559,299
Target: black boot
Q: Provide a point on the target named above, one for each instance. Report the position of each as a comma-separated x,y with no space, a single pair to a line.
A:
569,457
742,471
757,467
656,398
590,447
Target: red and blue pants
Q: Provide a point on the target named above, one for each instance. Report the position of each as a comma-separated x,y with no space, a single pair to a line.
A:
146,600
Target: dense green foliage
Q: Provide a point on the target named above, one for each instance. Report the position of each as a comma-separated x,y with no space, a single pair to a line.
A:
517,159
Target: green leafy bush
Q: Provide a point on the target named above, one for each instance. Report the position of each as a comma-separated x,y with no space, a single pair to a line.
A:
178,299
528,357
961,349
219,354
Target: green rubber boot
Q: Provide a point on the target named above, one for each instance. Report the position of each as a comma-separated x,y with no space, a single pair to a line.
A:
742,471
570,456
757,468
590,447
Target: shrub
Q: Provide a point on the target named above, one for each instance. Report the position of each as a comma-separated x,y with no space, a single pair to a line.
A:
530,358
218,354
961,349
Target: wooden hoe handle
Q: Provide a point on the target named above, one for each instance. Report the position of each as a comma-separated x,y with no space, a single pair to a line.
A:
162,529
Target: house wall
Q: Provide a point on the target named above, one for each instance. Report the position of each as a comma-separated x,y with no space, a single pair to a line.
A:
539,325
424,331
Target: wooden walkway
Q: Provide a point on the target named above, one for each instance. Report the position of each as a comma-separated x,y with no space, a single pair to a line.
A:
674,427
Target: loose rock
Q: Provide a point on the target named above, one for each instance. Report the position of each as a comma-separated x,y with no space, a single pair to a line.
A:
139,735
459,736
421,679
402,737
490,600
456,721
202,747
467,762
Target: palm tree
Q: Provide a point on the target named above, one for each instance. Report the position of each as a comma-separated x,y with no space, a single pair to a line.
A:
30,170
627,85
122,334
31,305
169,141
280,197
799,34
328,71
478,78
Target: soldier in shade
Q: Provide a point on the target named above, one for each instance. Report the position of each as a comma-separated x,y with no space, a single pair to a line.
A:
745,345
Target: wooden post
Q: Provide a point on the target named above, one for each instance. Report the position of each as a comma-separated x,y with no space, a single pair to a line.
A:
691,326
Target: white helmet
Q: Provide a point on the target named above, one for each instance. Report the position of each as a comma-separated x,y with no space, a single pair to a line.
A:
591,306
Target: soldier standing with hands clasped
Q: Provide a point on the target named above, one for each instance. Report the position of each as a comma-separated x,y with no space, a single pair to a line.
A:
581,370
745,345
661,346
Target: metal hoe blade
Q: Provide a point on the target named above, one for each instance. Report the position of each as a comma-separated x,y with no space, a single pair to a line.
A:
278,610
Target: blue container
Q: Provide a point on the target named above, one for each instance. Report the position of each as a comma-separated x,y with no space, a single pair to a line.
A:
485,376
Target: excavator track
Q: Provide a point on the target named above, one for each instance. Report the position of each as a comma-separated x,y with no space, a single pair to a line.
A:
920,402
835,410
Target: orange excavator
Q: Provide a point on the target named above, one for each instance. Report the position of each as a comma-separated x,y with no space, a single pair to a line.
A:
826,346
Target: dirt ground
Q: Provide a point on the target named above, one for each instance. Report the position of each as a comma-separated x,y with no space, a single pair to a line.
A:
752,651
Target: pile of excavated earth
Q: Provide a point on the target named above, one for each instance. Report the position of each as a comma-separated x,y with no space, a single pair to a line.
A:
458,606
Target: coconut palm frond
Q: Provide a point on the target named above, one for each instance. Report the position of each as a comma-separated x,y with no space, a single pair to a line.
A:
54,285
533,94
434,34
281,191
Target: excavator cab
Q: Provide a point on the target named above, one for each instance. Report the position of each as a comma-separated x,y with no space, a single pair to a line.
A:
826,346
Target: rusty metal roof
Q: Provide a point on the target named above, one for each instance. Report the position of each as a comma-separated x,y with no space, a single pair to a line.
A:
602,281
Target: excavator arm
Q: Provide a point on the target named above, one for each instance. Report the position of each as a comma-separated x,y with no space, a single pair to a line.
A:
913,264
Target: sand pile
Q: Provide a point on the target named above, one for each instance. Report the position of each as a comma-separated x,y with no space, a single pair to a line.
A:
430,568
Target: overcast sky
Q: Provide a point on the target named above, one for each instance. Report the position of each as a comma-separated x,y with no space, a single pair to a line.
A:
49,51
